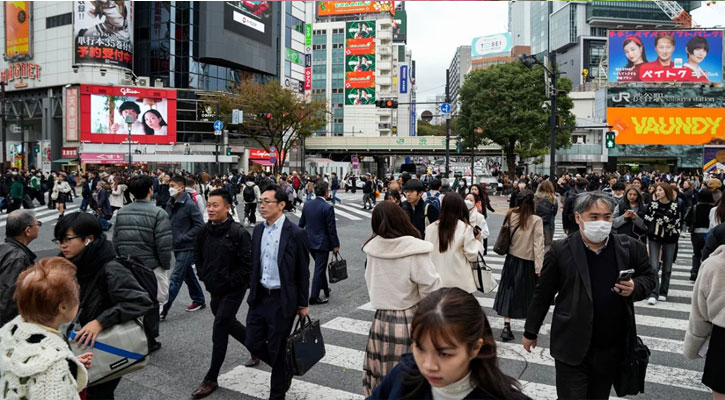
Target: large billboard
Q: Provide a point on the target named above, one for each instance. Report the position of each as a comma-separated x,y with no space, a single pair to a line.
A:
665,96
103,33
361,96
326,8
359,62
17,29
666,56
491,44
400,27
252,19
104,110
713,159
667,126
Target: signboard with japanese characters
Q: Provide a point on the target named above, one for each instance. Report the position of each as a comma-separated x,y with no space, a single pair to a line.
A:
103,33
360,62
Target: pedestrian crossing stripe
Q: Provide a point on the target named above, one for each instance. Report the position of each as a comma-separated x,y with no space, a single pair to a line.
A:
45,215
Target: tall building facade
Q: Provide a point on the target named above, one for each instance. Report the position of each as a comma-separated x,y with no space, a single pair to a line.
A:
459,67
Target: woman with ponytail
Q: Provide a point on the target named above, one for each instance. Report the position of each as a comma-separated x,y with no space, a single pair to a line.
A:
454,354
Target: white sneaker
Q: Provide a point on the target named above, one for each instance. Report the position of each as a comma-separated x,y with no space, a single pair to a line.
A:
662,298
652,301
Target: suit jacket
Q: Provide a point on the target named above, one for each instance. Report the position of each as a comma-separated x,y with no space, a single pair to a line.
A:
293,260
566,275
318,219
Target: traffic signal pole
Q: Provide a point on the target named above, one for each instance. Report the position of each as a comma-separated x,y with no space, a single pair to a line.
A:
552,122
448,129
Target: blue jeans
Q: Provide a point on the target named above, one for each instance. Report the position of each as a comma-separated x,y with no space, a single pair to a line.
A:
184,273
309,196
334,197
84,203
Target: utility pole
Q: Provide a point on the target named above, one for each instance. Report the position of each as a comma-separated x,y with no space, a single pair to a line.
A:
22,137
553,121
5,125
448,129
218,168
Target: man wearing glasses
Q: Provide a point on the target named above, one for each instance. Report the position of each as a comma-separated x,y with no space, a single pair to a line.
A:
279,286
15,257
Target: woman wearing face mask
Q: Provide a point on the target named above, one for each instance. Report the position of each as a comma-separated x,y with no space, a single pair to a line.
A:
455,244
663,231
629,215
454,355
523,262
110,293
475,219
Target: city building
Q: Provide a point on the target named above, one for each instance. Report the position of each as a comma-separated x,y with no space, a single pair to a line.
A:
496,59
460,65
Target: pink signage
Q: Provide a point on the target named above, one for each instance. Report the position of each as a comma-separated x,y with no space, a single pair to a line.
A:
71,114
103,158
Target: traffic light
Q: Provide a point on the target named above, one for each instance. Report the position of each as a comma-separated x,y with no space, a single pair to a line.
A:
266,116
459,144
609,139
37,148
386,103
229,151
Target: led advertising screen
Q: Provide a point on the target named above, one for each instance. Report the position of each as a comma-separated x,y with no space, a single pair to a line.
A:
360,38
713,159
400,27
666,56
326,8
491,44
667,126
104,110
361,96
103,33
17,29
252,19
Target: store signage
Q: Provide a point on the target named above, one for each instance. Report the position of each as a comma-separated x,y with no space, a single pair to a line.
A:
403,79
103,158
308,78
261,154
294,56
20,71
71,114
69,152
308,60
308,35
675,97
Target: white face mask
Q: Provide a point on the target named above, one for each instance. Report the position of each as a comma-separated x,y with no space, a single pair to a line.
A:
618,196
469,205
173,192
597,231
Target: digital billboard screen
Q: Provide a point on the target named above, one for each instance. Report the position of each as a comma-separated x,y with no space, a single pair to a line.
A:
666,56
667,126
361,96
17,28
326,8
400,27
103,33
252,19
104,110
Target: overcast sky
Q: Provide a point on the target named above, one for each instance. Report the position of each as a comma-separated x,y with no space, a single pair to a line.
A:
437,28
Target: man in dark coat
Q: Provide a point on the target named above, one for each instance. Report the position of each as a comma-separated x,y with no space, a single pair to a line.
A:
594,309
279,286
318,218
15,257
567,215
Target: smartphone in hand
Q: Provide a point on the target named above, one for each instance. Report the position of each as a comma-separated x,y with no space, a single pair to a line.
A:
625,275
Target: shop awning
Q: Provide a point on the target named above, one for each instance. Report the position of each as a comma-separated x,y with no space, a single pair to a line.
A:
65,161
264,163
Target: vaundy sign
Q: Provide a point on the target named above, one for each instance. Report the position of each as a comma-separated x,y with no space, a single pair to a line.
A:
668,126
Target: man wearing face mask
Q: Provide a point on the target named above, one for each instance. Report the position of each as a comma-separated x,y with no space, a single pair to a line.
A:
590,328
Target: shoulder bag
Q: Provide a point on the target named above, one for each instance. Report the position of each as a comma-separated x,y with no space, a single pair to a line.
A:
503,241
337,269
119,350
305,346
483,275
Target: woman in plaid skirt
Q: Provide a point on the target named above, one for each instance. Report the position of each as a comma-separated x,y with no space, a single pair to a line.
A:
399,273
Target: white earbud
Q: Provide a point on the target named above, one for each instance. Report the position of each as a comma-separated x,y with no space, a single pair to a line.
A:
87,242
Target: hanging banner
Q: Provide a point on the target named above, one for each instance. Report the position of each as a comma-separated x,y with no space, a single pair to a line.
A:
403,79
362,96
325,8
103,33
17,29
667,126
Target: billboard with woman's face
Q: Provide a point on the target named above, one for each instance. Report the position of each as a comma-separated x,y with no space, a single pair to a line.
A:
105,109
666,56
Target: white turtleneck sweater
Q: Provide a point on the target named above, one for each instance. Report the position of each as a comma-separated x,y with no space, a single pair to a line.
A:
455,391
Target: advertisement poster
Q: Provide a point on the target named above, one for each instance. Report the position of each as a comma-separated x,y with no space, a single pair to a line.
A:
713,159
491,44
104,110
674,97
403,79
103,33
360,38
252,19
355,80
326,8
400,27
17,29
667,126
71,114
666,56
361,63
362,96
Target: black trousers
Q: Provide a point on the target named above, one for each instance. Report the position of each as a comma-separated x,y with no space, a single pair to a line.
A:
698,242
104,391
267,332
225,308
592,379
319,279
250,210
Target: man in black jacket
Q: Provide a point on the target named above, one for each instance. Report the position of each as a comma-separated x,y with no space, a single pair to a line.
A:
421,214
594,308
15,257
223,255
567,215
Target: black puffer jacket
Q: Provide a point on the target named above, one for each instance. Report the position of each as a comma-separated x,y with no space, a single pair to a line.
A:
111,293
223,256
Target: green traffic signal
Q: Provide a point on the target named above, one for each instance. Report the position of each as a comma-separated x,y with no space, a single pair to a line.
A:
609,140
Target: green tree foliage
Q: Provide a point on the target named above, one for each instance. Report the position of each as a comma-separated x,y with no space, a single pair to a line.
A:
507,101
292,117
428,129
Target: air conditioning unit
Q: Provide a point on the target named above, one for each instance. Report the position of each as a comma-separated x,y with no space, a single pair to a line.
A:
144,81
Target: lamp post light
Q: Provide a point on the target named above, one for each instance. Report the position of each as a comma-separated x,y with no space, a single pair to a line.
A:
129,120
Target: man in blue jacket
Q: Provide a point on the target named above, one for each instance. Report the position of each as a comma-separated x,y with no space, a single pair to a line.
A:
186,222
318,219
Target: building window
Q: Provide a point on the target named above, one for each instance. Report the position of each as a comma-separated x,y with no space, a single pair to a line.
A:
58,20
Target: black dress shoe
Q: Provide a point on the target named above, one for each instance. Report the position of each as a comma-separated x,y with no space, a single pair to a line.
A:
288,383
314,301
506,334
327,292
205,389
252,362
155,346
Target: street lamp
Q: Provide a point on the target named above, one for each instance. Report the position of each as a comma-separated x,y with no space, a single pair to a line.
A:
529,62
129,120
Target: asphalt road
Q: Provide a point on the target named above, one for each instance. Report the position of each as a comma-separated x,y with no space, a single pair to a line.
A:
176,370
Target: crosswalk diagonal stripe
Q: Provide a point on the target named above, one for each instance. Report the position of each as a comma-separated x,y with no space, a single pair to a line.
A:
353,210
346,215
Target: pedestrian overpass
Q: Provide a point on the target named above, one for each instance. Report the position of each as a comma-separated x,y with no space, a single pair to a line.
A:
392,145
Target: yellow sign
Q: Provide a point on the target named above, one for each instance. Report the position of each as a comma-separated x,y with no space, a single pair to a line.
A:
668,126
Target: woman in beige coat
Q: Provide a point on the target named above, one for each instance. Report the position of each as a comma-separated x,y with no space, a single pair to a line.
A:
399,273
455,244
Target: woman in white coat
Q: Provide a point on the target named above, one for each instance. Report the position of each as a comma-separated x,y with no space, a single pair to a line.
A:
455,244
117,193
475,218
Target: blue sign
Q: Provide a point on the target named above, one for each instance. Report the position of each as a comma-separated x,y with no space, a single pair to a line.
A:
445,108
413,120
218,125
403,79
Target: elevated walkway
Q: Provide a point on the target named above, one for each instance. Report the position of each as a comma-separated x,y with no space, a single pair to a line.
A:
391,145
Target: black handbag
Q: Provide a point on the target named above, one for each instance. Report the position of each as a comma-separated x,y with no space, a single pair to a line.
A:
337,269
629,380
305,346
503,241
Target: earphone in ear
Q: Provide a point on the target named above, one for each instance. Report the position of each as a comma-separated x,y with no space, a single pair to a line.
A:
87,242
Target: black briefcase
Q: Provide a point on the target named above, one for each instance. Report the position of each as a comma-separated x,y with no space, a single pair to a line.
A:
337,269
305,346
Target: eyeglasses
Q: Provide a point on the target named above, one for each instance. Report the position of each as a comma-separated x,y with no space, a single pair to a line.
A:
65,240
268,202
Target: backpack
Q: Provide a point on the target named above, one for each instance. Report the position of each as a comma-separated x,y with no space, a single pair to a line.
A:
433,200
545,210
248,194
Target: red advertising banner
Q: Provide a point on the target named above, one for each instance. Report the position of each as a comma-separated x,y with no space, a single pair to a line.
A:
71,114
362,79
308,78
357,47
104,110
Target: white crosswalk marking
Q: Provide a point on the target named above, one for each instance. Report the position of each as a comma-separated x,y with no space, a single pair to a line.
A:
661,328
44,214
